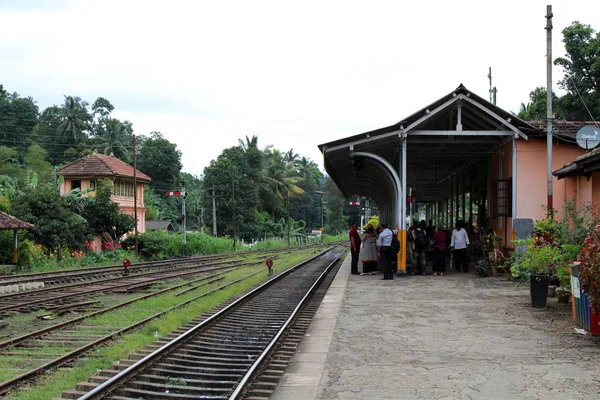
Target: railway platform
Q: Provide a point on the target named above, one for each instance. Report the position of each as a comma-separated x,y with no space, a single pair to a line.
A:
430,337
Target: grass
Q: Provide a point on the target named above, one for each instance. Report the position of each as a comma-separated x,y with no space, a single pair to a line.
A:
65,379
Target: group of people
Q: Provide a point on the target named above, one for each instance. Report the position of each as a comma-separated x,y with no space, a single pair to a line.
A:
377,250
423,239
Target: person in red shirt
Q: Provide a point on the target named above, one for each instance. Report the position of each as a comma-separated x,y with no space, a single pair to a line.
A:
354,248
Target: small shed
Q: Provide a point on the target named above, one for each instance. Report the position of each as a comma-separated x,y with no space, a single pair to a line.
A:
8,222
159,225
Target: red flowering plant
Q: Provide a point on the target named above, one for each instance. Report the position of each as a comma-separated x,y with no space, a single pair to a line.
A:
589,267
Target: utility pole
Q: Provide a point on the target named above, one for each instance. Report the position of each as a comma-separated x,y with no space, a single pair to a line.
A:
214,213
201,222
233,214
135,214
183,238
287,210
549,104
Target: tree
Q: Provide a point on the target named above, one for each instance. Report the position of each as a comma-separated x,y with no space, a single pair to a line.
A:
101,108
237,193
75,119
115,139
104,216
535,110
160,159
581,72
54,224
36,160
18,117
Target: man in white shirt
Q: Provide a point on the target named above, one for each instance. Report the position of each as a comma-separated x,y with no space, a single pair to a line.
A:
386,254
459,245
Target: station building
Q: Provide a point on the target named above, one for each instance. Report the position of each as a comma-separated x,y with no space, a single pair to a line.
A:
459,144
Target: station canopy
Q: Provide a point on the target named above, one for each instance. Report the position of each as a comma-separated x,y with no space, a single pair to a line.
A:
453,134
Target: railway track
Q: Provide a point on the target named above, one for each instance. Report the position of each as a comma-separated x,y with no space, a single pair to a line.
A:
82,274
55,346
215,357
49,298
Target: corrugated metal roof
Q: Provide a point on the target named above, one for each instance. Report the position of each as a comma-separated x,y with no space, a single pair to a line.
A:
97,164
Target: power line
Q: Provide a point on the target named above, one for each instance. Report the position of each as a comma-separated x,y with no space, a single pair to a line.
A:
583,101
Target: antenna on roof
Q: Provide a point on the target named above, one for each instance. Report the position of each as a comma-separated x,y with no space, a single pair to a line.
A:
493,90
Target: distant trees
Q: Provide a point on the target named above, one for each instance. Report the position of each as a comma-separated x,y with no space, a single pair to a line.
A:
581,66
159,159
260,191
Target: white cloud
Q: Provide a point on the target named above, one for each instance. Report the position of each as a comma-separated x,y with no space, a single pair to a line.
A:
296,74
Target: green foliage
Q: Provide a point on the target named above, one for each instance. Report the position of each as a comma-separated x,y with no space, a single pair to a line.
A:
18,117
151,245
535,109
55,225
103,215
160,160
577,222
589,267
373,221
581,80
581,67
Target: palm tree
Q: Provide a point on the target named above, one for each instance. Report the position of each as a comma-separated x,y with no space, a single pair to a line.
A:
308,170
249,143
280,180
113,139
75,119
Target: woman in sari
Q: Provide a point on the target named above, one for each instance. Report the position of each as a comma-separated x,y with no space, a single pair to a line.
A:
369,253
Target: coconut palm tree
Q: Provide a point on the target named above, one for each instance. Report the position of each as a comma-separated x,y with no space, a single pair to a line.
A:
75,119
114,139
309,170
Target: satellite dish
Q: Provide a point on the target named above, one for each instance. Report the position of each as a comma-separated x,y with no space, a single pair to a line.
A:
588,137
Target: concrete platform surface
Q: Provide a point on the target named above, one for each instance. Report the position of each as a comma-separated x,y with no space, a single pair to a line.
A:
432,337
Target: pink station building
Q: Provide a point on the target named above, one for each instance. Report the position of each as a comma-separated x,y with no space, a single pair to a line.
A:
85,173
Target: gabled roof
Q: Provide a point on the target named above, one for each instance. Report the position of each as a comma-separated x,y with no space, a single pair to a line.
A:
474,118
97,164
8,222
159,225
457,130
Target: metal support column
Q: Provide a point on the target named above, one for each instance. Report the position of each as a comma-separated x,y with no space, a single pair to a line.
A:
463,197
402,232
514,180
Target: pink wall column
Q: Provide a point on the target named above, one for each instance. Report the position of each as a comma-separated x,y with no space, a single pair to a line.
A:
596,189
531,176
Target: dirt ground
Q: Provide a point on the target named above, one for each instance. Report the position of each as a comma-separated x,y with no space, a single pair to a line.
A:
455,337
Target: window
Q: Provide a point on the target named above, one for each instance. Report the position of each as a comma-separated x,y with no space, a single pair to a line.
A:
75,184
92,184
503,189
123,189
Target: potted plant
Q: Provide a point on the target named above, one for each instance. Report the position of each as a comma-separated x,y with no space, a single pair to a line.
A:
543,261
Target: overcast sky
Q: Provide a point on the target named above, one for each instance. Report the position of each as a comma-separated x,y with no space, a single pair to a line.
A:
297,74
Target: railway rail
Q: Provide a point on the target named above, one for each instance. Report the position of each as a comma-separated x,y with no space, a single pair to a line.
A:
60,295
80,274
216,357
73,338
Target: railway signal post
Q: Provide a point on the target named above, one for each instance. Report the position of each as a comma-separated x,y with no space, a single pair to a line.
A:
183,194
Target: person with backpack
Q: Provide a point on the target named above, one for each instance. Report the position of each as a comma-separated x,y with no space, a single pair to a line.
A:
420,247
386,251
